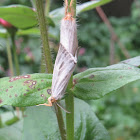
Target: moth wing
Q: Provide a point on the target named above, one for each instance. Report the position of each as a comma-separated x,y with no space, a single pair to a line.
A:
64,66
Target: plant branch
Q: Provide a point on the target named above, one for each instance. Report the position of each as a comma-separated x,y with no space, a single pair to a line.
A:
112,32
60,122
15,54
47,7
43,64
69,101
44,35
112,52
9,54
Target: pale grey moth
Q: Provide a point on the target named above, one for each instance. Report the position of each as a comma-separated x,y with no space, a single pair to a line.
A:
66,57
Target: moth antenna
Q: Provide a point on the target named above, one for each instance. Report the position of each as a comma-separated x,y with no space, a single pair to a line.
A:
62,107
66,7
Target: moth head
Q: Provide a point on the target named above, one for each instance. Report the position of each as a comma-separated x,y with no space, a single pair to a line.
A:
68,16
53,100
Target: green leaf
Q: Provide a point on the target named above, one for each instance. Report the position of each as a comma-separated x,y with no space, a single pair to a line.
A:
13,132
90,5
31,31
21,16
25,90
58,14
41,124
35,31
94,83
133,61
18,15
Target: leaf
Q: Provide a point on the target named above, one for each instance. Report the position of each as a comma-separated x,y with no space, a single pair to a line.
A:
25,90
133,61
31,31
41,124
21,16
34,31
58,14
13,132
18,15
95,83
90,5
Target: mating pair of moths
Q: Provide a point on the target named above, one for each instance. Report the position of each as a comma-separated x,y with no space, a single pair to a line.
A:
67,55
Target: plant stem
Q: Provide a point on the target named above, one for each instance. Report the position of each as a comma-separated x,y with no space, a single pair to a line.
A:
44,35
46,51
60,122
69,101
46,12
12,32
15,54
43,64
10,58
47,7
1,125
112,52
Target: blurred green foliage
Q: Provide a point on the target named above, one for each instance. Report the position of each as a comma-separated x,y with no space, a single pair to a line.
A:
119,111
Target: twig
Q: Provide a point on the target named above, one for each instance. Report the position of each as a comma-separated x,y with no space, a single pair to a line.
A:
112,32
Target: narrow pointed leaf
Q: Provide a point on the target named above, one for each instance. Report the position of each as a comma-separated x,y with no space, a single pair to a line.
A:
25,90
94,83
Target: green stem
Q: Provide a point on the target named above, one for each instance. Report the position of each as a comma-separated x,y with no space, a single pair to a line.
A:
48,61
15,55
10,58
1,125
43,64
47,7
69,101
44,35
60,122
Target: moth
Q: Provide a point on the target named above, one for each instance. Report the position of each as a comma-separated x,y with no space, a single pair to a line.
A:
66,59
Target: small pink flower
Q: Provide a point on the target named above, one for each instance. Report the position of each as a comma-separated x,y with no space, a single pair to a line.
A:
5,23
82,51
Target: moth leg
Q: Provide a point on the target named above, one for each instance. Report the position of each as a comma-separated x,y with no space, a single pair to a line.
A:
66,7
49,102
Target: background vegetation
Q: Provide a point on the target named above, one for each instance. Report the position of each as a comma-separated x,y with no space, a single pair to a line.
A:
119,112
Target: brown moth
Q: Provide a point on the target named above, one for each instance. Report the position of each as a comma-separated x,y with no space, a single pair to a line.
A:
67,56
